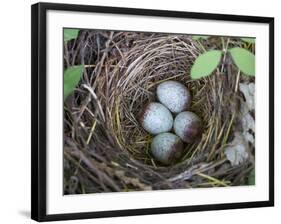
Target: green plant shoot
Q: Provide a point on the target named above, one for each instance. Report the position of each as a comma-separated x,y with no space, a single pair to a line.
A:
244,60
205,64
249,40
72,76
69,34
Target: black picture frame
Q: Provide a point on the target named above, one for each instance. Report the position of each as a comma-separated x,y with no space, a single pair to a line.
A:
39,122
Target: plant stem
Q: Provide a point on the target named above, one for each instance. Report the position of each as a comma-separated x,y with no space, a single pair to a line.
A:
223,45
201,45
237,81
224,48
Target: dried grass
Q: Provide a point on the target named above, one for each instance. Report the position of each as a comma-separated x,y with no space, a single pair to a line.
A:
105,146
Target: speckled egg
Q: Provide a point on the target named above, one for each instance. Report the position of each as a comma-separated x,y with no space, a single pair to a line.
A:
187,126
166,148
156,118
174,95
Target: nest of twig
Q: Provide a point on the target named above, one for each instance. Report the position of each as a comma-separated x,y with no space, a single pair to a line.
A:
106,149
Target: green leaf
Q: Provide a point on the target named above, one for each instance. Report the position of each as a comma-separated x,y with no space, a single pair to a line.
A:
72,76
251,177
244,60
249,40
69,34
199,37
205,64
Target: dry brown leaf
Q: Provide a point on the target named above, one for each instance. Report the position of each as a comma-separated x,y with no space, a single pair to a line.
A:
237,151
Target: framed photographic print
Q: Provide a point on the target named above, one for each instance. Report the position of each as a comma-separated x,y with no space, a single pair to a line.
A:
138,111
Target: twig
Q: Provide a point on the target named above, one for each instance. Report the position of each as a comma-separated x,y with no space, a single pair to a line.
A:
91,132
225,48
96,99
216,181
237,81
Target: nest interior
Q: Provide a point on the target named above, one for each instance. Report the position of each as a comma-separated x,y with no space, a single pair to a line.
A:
105,147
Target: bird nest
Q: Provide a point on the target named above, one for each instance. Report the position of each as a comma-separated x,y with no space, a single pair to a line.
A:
105,147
